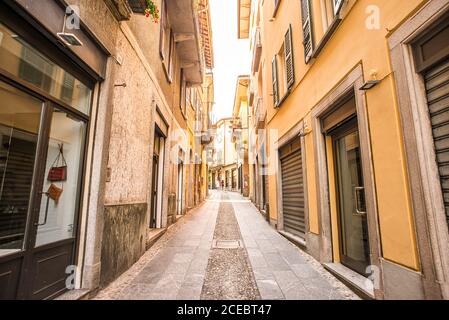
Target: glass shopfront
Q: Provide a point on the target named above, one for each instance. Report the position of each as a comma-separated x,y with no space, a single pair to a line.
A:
44,115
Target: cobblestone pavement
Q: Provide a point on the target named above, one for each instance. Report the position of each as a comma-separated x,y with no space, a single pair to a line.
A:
183,265
229,274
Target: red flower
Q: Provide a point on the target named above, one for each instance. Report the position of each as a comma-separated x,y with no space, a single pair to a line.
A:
152,10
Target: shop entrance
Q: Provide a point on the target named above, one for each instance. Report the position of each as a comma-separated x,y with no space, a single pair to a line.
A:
350,189
43,124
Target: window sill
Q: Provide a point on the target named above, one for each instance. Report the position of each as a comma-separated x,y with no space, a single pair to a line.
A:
327,36
284,97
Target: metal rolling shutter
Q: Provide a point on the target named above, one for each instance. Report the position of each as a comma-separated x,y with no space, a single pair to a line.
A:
437,87
293,190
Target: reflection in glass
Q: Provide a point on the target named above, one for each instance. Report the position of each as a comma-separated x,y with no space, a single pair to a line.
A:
19,126
353,219
57,217
20,59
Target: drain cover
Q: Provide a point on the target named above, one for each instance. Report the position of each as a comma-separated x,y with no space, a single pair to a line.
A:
227,244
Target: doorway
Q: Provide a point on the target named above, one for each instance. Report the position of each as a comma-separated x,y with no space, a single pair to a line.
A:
41,161
44,115
292,181
351,205
180,187
157,179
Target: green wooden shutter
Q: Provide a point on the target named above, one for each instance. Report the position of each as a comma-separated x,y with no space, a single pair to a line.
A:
307,29
289,59
274,73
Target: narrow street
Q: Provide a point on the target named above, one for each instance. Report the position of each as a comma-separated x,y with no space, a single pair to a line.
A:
224,249
224,150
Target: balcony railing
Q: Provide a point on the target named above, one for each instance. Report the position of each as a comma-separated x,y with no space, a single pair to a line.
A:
251,91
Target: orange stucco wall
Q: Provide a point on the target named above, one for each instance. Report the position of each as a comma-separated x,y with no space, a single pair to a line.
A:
352,44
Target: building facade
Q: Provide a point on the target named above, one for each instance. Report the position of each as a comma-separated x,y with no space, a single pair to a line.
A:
241,117
98,136
223,170
352,96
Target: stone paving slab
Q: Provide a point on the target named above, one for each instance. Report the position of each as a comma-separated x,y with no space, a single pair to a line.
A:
282,270
176,266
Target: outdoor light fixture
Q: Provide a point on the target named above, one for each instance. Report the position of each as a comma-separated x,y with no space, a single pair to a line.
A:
369,85
70,39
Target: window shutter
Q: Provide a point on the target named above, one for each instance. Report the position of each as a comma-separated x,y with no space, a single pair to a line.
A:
289,59
274,71
307,29
183,92
163,26
171,53
338,4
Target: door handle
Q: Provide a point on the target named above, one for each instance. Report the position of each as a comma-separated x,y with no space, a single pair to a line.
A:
358,194
46,211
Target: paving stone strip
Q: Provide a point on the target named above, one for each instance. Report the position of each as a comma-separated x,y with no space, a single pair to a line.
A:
229,275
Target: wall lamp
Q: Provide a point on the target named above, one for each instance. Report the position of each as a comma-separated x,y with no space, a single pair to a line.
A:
369,85
69,38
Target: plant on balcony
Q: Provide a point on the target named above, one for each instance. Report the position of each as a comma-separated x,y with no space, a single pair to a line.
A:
152,10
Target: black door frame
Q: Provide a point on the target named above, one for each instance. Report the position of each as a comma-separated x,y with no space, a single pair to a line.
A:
24,287
154,191
158,161
22,24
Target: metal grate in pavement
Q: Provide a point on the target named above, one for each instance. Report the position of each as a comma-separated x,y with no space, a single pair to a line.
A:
227,244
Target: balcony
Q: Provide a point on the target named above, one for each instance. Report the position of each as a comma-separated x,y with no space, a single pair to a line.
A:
251,91
121,9
137,6
237,124
184,21
259,114
257,50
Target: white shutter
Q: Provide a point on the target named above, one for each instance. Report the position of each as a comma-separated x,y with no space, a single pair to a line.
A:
307,29
289,59
338,4
274,74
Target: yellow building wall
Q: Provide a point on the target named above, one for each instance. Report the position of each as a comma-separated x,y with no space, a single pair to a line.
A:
352,44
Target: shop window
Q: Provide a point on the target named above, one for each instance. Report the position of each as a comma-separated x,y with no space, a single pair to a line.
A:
68,86
25,62
36,69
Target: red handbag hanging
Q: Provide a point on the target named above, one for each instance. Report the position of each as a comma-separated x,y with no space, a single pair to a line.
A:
58,170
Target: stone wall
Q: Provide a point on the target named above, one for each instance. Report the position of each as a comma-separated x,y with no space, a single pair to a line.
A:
124,238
